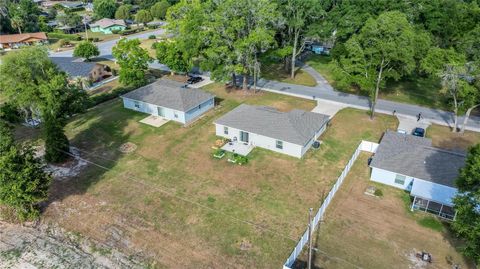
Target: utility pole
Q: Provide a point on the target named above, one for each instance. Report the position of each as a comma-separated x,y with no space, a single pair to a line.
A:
310,230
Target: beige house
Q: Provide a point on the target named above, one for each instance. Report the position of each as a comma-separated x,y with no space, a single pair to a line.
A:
77,68
19,40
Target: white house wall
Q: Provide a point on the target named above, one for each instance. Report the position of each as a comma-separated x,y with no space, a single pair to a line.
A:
170,114
310,143
261,141
199,110
388,178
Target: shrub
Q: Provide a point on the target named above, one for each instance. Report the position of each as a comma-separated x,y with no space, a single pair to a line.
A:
152,37
9,113
241,160
115,31
103,97
93,39
128,32
378,192
68,37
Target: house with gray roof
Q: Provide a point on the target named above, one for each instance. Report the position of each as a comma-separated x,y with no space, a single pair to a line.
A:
78,68
171,100
291,133
411,163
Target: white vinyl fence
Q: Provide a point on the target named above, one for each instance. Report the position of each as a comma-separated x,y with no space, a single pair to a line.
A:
364,146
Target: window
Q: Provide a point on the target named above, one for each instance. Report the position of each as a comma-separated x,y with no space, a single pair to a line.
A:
225,130
399,179
137,104
199,106
175,114
279,144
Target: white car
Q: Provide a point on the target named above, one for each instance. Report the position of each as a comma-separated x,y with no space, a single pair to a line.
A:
401,131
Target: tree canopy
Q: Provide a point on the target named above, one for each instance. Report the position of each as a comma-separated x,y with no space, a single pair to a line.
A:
23,181
467,204
133,61
143,16
159,10
86,49
104,8
123,12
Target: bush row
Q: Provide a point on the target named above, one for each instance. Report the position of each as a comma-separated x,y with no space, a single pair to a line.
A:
103,97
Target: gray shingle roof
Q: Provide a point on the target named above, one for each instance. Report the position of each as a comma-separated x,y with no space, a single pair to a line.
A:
105,23
73,66
414,156
170,94
296,126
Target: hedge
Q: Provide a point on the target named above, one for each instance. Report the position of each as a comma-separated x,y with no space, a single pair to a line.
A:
103,97
69,37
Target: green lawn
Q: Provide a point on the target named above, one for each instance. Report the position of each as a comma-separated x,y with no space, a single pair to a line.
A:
143,196
413,90
274,71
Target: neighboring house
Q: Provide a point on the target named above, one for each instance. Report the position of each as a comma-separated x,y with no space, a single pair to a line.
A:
72,5
411,163
19,40
106,26
171,100
77,68
291,133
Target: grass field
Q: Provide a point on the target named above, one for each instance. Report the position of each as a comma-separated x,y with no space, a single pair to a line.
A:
443,137
415,90
361,231
170,202
276,72
147,44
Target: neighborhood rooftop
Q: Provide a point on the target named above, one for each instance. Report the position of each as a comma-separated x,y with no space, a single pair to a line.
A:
74,67
170,94
297,126
104,23
414,156
15,38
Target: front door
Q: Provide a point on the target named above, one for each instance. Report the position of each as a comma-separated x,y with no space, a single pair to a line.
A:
161,111
244,136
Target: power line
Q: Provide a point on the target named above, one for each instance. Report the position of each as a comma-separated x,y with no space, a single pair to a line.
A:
166,192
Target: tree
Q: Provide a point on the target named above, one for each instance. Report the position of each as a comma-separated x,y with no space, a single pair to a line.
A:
143,16
23,181
384,49
69,19
133,61
33,83
17,23
104,8
457,76
235,33
123,12
467,204
171,55
86,49
159,10
299,15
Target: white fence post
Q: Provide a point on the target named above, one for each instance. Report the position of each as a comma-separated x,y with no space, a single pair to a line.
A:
363,146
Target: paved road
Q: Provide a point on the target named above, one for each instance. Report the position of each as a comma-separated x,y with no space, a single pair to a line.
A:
325,92
105,47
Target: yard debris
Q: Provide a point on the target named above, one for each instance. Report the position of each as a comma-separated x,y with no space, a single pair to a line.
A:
416,263
245,245
127,147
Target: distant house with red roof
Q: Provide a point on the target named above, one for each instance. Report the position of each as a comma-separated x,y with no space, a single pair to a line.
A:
19,40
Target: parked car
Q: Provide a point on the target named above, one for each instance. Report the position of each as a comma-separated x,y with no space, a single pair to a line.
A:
401,131
194,79
419,132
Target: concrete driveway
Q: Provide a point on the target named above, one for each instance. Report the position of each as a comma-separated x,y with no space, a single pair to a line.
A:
329,108
408,123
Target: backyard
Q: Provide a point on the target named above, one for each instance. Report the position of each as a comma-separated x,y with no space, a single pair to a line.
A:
170,202
379,232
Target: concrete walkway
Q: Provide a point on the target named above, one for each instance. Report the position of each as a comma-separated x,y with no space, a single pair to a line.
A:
328,107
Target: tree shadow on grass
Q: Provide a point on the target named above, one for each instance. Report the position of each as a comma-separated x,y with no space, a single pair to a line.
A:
100,133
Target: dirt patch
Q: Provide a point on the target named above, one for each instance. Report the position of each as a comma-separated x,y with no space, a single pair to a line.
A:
71,168
127,147
45,246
